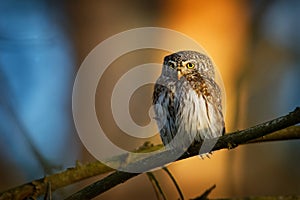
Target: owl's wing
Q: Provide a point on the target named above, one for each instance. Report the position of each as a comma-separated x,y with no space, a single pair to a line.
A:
211,93
163,102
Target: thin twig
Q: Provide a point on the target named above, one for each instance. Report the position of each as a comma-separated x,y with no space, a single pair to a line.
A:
205,194
157,185
154,187
174,181
48,194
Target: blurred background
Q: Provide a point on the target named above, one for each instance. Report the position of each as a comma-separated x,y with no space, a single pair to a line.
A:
255,45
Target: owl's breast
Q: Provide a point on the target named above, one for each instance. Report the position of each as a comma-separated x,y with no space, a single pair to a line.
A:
195,116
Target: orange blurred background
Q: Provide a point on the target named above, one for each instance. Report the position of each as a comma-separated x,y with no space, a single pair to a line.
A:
227,30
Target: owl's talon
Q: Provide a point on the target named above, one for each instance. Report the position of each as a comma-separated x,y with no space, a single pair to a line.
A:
231,145
205,155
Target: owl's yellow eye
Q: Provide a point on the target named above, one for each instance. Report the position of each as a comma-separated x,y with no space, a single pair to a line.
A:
171,64
190,65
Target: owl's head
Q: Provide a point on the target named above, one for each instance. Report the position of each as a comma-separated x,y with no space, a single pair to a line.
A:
187,63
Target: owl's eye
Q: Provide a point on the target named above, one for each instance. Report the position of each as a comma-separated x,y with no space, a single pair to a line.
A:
171,64
190,65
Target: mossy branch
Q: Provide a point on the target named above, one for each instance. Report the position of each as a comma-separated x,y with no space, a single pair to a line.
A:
227,141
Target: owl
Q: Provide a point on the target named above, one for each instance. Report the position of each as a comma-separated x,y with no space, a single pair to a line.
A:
187,100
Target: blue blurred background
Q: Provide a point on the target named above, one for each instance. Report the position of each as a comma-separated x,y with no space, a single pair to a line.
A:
37,66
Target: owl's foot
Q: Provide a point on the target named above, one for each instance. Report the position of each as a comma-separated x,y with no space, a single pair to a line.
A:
205,155
231,145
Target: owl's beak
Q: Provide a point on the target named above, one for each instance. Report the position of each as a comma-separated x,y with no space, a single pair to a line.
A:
179,72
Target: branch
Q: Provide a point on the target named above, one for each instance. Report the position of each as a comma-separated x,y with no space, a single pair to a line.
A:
39,187
289,133
80,172
225,142
67,177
